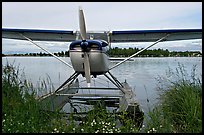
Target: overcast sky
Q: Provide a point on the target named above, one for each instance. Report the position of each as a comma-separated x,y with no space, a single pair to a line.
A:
101,16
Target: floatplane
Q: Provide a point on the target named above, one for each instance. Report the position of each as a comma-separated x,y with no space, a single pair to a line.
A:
89,58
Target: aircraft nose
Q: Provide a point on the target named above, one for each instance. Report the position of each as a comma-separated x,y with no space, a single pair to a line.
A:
84,45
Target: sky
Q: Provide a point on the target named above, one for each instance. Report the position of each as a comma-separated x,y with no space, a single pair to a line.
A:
101,16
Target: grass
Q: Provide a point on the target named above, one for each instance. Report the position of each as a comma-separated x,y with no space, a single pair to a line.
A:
22,113
180,104
178,111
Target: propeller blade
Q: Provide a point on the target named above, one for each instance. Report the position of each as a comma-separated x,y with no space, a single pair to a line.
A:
82,24
87,69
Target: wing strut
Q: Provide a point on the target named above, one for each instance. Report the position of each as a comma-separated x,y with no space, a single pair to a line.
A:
46,50
139,51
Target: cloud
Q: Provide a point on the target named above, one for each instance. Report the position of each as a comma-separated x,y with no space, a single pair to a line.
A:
102,15
13,46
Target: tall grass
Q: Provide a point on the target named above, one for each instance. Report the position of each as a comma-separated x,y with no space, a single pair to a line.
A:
179,109
22,113
180,104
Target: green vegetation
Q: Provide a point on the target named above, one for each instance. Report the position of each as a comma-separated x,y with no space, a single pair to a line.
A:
22,113
125,52
179,109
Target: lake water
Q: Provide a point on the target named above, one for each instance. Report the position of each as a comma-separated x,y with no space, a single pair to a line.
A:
141,73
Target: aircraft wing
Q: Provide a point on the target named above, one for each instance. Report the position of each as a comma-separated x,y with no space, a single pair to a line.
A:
110,36
39,35
154,35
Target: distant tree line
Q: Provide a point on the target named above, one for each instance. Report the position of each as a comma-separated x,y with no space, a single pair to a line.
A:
126,52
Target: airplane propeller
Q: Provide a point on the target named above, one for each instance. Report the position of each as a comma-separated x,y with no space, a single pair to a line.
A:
85,47
82,24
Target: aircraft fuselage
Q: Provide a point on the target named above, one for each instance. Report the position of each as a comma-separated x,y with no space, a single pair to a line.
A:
97,53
